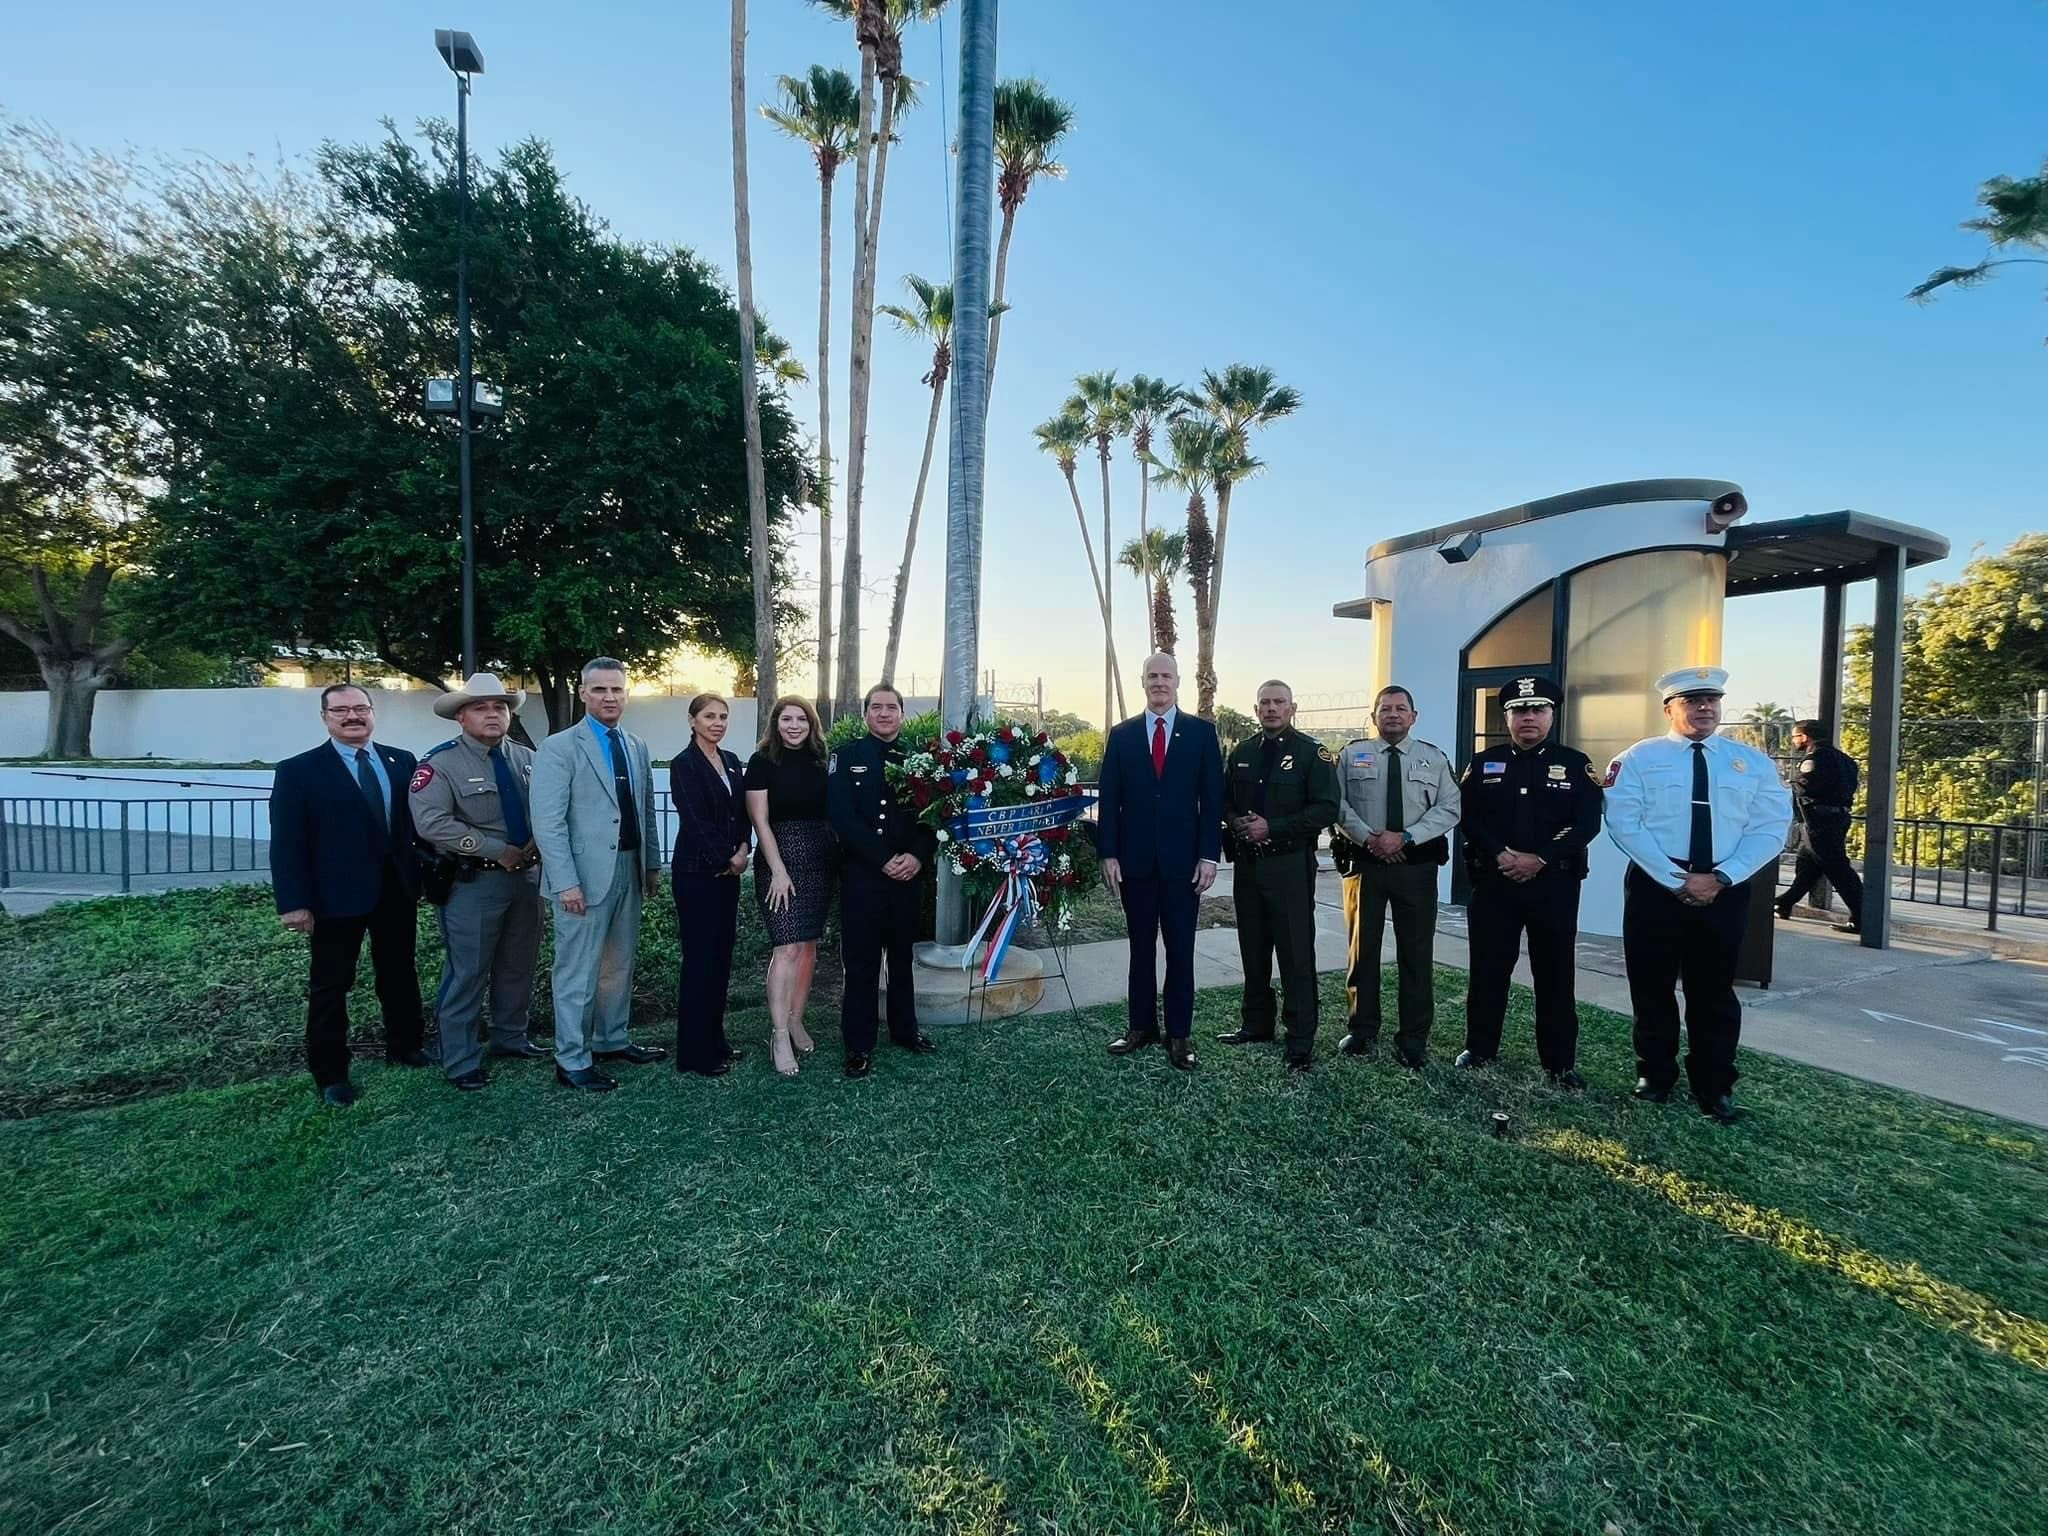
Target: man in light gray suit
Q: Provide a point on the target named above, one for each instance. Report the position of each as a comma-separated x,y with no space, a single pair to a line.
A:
593,819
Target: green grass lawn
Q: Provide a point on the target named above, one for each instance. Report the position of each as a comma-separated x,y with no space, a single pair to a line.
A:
1015,1286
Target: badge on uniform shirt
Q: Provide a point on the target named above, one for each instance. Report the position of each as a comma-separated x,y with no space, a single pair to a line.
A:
1557,770
1492,767
1741,766
1287,762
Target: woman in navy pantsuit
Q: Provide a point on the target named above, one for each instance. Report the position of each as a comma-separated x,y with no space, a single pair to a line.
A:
712,847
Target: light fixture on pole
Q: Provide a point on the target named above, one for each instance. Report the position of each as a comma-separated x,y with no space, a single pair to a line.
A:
461,54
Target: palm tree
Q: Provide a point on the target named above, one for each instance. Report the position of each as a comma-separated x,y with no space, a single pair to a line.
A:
1098,402
1238,399
1155,557
1146,402
2015,215
1198,453
931,320
1773,724
1063,437
822,110
1030,122
878,27
759,550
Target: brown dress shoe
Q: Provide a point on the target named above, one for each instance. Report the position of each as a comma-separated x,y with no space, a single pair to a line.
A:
1133,1040
1182,1054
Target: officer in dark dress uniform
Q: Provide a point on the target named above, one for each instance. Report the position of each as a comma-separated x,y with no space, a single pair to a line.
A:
885,852
1280,791
1824,789
1531,808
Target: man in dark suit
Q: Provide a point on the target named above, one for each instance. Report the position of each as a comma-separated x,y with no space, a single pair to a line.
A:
1159,829
342,865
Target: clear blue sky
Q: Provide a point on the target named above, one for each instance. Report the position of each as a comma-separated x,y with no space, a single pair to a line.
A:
1503,251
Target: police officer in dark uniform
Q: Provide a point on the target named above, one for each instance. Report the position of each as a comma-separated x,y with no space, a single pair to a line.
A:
884,851
1280,791
1824,790
1531,808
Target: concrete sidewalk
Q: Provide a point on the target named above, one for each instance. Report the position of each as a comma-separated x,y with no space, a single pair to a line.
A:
1943,1019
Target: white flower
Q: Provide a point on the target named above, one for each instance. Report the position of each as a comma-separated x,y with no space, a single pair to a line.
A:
1073,775
1037,758
1004,771
1030,790
945,836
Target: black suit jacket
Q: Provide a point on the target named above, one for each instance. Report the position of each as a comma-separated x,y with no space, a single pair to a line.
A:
711,824
327,853
1161,826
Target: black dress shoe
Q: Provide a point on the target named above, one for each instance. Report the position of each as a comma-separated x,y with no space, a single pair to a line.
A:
1784,912
1355,1044
633,1055
414,1058
919,1044
1568,1079
338,1095
1299,1061
1650,1095
1133,1040
858,1066
525,1050
1847,927
470,1081
1721,1110
1242,1037
1182,1054
588,1078
1473,1063
1412,1063
716,1069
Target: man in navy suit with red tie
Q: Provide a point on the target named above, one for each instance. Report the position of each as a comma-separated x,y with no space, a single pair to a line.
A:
342,866
1159,828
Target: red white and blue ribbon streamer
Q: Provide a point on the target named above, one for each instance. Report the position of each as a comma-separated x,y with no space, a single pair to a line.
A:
1005,838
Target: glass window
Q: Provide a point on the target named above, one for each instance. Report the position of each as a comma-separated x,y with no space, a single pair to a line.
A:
1518,638
1632,620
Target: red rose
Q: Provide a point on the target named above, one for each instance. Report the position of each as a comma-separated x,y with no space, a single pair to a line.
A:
955,738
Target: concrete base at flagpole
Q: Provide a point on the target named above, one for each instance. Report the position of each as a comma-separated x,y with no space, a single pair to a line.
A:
944,995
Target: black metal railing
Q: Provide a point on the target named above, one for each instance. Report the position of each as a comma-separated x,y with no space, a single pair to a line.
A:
1978,866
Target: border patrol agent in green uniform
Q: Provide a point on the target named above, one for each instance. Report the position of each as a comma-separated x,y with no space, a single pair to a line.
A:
1531,809
470,806
1280,791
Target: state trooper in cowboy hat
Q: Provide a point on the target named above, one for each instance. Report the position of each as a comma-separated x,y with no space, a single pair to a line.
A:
470,805
1697,814
1530,809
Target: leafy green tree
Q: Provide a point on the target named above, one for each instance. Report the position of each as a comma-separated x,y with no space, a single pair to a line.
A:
1234,725
317,503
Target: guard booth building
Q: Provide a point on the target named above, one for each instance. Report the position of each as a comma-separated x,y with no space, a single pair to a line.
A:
1604,590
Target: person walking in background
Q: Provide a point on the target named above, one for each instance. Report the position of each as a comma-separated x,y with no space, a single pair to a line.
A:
883,850
1400,803
1697,814
469,805
1159,829
342,866
593,818
793,864
1824,789
704,781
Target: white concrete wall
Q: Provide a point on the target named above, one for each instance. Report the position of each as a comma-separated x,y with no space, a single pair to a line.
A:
1439,608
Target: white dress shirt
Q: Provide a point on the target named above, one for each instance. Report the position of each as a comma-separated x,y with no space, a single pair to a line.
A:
1151,724
1649,807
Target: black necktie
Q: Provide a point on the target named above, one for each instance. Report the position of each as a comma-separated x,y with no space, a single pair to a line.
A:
622,776
1269,756
366,781
1700,856
1397,812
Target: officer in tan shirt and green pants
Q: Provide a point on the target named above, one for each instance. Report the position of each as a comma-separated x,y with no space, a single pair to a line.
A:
1399,806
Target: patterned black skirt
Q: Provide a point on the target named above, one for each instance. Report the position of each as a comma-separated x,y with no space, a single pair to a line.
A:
811,855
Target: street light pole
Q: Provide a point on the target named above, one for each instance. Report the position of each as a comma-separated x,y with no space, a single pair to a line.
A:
459,51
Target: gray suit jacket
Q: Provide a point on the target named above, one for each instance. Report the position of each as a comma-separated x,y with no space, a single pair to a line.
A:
576,810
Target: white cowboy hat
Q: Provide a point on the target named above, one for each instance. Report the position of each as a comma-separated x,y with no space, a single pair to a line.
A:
480,689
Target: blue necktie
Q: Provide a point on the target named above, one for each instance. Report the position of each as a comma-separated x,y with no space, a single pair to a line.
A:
518,832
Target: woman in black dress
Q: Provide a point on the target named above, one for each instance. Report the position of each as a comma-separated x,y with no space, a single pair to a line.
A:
704,875
793,865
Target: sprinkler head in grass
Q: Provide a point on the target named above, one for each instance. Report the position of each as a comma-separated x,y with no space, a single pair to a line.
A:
1500,1122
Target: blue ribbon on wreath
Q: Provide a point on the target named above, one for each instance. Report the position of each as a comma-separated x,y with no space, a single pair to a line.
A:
1019,860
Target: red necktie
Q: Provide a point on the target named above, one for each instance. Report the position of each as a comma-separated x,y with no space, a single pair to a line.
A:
1159,748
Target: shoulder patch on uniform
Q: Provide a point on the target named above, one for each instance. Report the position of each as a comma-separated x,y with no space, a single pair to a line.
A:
1593,774
1613,773
422,776
1326,754
1807,766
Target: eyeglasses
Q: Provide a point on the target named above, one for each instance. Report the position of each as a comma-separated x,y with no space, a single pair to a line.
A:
345,710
